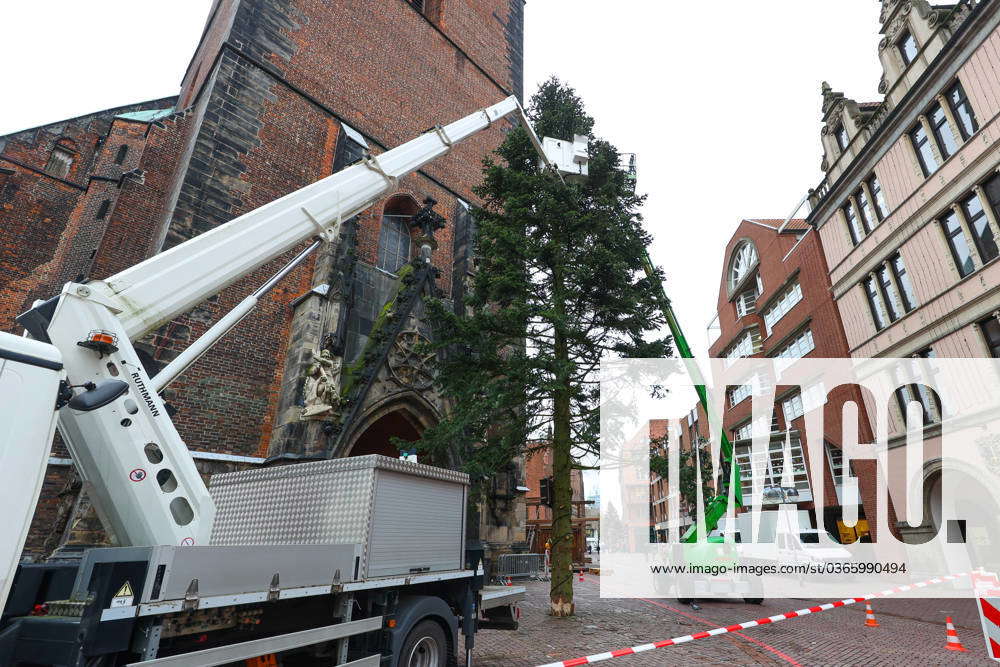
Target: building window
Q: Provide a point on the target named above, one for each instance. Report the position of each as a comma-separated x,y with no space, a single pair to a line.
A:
784,302
394,243
770,466
876,189
740,393
907,46
835,456
748,343
962,110
909,299
942,131
120,156
692,420
745,431
102,210
888,290
353,152
875,304
60,162
810,398
982,232
792,408
955,236
930,403
842,139
742,264
353,147
925,152
868,220
801,345
746,302
992,190
755,384
991,332
853,227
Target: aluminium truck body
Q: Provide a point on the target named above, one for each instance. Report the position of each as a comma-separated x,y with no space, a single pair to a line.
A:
348,578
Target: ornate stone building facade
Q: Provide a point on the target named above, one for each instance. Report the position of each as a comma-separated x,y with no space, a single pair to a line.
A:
908,212
278,94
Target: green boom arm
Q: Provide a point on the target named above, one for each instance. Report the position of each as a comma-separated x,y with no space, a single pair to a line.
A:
717,507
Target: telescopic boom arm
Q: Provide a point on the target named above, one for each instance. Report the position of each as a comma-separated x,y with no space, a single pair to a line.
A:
717,506
136,469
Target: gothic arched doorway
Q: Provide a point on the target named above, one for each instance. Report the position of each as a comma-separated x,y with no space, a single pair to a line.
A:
377,438
404,416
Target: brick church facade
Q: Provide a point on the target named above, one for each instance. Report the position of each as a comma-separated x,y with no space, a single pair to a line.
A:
278,94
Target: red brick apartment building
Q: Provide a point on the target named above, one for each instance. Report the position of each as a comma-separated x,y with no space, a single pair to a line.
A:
775,301
692,429
537,468
278,94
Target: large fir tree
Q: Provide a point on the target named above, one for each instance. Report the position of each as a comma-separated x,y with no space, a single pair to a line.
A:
558,287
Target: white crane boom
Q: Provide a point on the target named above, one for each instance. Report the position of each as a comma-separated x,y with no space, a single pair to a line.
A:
136,469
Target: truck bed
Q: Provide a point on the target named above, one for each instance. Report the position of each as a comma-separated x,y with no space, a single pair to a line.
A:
497,596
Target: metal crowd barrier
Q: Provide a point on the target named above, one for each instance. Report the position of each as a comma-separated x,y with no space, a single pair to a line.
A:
519,566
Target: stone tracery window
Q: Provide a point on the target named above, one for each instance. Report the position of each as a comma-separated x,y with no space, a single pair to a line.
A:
394,235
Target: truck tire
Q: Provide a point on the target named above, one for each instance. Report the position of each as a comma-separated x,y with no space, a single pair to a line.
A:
753,600
425,646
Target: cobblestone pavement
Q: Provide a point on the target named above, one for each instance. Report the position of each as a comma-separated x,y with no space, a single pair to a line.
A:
911,632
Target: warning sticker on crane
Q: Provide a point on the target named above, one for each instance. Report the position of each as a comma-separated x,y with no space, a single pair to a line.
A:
124,596
137,475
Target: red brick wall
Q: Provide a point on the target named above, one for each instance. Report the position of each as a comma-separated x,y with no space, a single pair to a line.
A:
35,212
537,466
42,217
133,228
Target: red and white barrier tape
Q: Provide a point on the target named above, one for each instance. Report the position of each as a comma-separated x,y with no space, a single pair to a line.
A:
736,627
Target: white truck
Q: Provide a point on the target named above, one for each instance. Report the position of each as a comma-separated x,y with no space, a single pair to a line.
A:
785,536
187,587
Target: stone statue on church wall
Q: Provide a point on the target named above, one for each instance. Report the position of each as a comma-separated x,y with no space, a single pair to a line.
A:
322,390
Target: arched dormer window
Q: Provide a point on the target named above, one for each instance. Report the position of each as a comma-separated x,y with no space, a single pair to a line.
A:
394,235
61,160
742,265
743,262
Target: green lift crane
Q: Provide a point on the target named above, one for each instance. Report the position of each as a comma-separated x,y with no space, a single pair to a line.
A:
717,506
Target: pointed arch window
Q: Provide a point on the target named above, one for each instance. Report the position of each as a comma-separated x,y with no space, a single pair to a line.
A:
394,235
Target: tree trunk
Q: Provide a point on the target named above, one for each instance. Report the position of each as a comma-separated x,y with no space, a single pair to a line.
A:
561,591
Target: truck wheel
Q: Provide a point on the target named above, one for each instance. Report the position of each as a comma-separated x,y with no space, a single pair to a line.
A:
425,646
685,600
753,600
